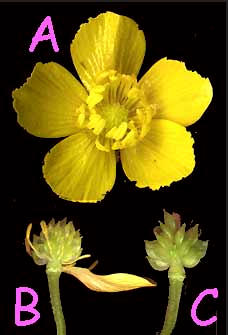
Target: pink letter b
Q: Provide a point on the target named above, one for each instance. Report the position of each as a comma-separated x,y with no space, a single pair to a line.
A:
29,308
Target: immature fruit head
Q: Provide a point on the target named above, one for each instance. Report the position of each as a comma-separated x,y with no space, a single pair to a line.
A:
175,247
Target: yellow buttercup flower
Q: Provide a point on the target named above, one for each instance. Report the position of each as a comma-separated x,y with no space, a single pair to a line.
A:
145,120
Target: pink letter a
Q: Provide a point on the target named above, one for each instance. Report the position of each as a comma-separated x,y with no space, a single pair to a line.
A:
38,37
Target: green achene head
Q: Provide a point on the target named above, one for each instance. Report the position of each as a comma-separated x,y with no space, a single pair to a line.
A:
58,244
175,247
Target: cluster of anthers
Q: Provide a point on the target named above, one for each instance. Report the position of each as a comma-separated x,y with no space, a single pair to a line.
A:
116,111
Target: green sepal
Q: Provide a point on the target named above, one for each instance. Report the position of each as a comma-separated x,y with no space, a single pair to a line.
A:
194,255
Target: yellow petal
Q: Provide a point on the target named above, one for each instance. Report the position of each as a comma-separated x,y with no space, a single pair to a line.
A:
46,104
163,156
111,283
77,171
107,42
181,96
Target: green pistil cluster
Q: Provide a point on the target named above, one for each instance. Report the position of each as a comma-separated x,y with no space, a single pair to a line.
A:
174,247
114,115
57,245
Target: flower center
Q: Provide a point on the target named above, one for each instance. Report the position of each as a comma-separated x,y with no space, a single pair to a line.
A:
117,111
114,115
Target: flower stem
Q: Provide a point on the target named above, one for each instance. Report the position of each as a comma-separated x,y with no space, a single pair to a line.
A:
175,288
53,283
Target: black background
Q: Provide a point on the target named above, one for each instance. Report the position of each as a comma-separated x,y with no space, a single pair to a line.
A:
114,230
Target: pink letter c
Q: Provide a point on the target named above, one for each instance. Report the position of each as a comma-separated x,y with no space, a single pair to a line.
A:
214,293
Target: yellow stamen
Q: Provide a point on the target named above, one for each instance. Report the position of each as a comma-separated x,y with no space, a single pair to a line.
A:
27,239
84,256
45,232
92,266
